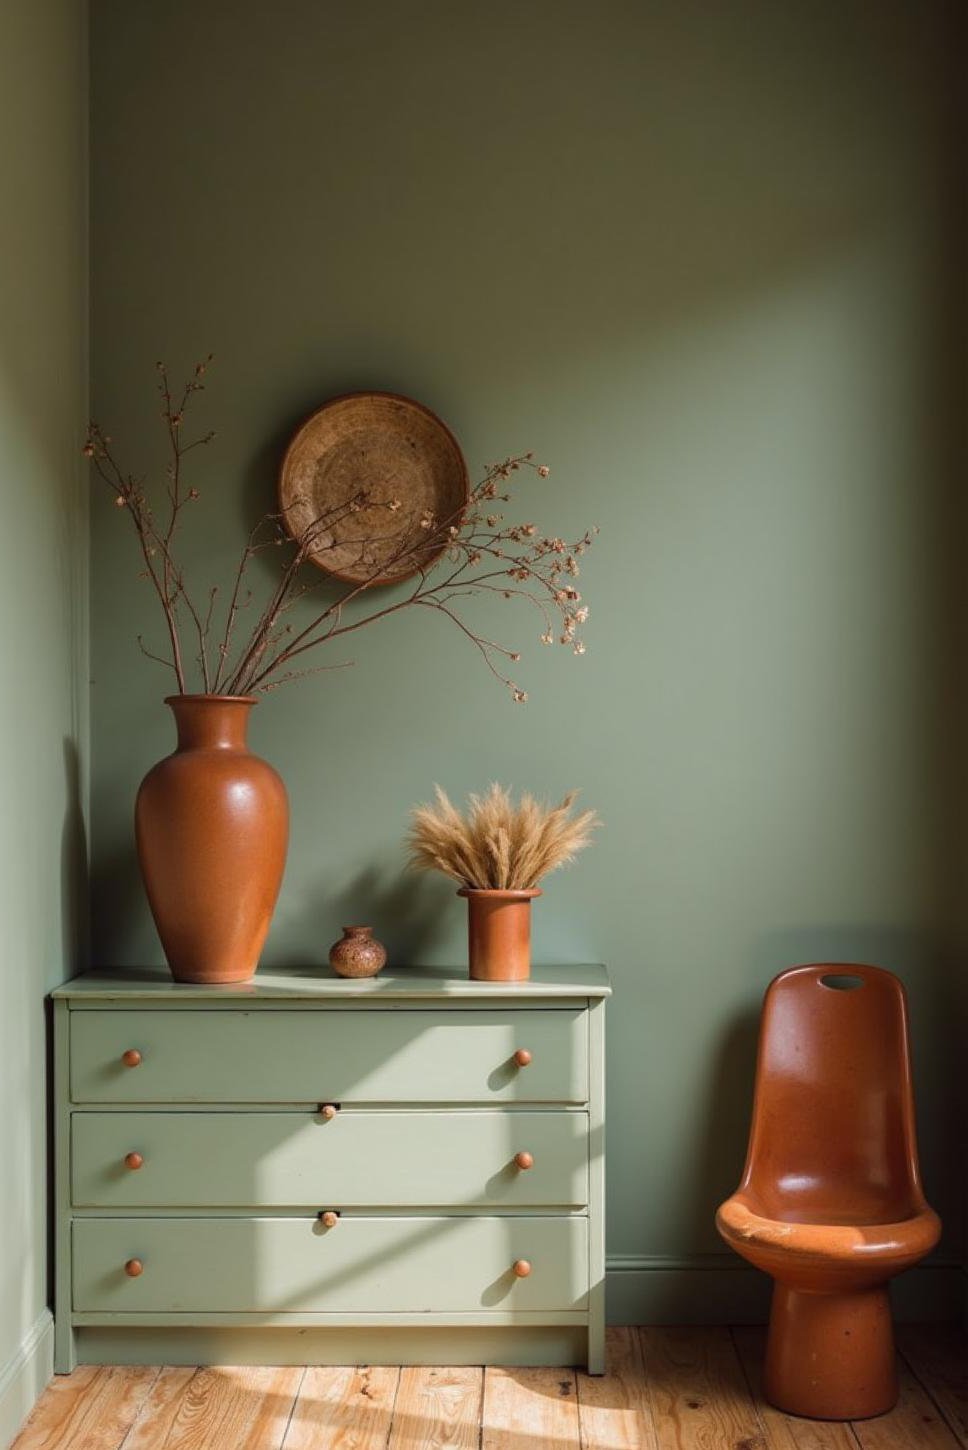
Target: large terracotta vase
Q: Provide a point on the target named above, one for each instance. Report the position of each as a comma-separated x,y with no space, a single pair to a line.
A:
499,933
212,824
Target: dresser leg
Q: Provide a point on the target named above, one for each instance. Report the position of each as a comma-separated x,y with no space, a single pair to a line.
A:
596,1350
65,1346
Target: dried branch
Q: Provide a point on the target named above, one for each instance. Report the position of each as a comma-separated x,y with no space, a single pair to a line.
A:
472,551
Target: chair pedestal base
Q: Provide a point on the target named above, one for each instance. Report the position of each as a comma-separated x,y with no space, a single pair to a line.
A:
830,1356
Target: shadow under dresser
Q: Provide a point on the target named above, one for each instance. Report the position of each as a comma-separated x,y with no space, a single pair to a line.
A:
304,1169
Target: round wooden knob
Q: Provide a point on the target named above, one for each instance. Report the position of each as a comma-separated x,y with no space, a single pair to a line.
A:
328,1111
133,1268
524,1160
329,1219
133,1161
522,1057
131,1058
521,1268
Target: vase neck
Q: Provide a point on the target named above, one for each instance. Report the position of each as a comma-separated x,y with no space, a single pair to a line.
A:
211,722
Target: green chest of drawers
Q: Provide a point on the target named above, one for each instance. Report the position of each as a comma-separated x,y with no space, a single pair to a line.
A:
310,1170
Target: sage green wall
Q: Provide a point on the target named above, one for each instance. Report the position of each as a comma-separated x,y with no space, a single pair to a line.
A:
43,550
694,255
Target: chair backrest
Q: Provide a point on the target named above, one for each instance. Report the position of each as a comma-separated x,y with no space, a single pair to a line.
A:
832,1137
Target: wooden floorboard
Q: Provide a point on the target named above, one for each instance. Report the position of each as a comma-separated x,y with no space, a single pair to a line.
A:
614,1410
343,1409
700,1398
915,1423
525,1409
247,1408
939,1358
785,1432
438,1408
666,1389
92,1409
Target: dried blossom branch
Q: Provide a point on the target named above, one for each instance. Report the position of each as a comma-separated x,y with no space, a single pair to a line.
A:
471,552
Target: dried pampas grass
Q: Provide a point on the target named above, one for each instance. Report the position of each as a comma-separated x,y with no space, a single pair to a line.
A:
498,845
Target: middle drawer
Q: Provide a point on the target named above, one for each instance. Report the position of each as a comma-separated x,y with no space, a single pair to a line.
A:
356,1159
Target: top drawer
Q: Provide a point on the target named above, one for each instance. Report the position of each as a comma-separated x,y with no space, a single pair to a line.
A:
375,1056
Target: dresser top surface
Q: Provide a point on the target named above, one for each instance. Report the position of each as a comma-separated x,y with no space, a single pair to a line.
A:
319,984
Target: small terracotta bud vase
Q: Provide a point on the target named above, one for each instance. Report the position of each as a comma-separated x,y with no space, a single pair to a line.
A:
499,934
357,953
212,824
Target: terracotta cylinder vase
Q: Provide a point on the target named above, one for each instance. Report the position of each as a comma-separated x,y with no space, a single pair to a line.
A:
499,934
212,825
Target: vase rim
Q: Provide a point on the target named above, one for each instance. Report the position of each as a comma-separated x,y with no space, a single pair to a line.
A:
508,893
212,699
355,928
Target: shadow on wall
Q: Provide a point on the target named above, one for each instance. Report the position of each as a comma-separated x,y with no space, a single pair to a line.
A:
926,966
405,910
719,1139
75,865
118,901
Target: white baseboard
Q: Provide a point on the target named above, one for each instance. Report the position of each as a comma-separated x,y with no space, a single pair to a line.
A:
722,1289
26,1375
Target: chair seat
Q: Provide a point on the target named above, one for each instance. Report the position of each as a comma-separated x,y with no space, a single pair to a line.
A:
847,1243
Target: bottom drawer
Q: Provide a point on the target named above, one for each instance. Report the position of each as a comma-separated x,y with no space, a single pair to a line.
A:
361,1265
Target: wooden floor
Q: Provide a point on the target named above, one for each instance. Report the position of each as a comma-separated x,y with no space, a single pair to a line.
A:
667,1389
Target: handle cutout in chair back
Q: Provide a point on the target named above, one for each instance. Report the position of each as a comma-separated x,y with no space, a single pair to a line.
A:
841,982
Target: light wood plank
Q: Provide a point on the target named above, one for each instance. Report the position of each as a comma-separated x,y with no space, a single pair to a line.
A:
614,1411
914,1423
88,1409
343,1409
527,1408
699,1394
160,1406
91,1409
246,1408
786,1432
938,1355
437,1409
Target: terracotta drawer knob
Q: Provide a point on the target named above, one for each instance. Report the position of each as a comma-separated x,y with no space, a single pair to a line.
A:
524,1160
131,1058
133,1161
328,1111
522,1268
522,1057
329,1219
133,1268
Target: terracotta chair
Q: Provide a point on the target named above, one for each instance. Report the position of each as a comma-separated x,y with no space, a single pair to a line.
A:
830,1203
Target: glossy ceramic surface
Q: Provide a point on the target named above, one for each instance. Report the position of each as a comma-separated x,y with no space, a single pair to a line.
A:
830,1203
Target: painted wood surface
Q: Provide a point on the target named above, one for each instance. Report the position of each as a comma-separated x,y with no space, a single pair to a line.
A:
286,1265
304,1160
318,984
449,1056
435,1340
665,1390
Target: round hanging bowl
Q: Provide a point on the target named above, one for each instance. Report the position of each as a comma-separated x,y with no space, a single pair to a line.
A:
376,449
